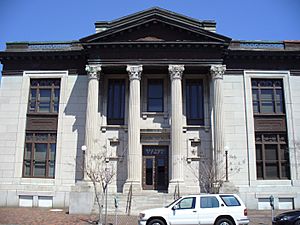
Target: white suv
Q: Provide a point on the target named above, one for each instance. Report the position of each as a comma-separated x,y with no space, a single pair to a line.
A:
216,209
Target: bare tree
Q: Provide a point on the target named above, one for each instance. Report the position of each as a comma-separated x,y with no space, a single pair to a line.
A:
101,172
209,179
205,173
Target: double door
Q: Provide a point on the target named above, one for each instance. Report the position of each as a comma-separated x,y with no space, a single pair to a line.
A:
155,167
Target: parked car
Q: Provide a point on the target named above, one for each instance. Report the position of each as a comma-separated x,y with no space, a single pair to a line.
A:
215,209
287,218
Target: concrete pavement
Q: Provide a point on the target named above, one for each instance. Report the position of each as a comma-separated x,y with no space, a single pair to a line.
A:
43,216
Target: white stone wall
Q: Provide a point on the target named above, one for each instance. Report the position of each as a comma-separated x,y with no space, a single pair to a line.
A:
10,97
70,136
71,129
294,117
235,129
14,94
239,139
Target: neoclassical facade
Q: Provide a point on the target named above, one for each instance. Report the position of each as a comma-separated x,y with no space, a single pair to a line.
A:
174,107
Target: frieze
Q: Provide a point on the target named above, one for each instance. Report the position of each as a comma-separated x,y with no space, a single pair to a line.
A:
155,137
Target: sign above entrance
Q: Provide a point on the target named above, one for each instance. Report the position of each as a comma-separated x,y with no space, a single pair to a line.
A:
155,151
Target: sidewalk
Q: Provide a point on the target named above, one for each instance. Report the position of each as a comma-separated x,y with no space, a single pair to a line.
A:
42,216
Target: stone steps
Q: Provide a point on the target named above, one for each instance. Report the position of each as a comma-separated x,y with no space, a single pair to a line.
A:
140,201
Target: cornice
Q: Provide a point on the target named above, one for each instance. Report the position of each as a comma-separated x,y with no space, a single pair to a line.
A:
38,55
166,17
295,72
262,54
160,43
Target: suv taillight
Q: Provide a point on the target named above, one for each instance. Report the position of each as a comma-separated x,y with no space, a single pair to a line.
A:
245,212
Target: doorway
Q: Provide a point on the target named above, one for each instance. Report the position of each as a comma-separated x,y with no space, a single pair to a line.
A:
155,167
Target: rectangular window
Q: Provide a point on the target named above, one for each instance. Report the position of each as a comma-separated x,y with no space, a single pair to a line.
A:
186,203
44,96
267,96
116,102
194,102
230,200
272,156
209,202
155,96
271,145
39,155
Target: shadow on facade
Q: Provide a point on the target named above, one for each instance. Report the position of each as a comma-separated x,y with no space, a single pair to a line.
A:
75,113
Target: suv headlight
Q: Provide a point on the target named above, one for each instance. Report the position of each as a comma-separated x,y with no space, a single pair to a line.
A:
141,215
284,218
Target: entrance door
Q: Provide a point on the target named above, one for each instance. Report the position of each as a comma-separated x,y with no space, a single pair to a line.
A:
155,167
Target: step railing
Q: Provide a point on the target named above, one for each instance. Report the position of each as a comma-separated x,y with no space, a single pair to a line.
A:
129,200
176,192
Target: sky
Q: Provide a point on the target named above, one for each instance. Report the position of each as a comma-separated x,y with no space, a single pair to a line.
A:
66,20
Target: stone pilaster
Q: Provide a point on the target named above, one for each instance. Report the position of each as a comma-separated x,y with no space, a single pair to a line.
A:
175,72
134,153
91,125
217,72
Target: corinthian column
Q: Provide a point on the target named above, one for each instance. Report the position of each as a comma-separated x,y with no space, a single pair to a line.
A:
175,72
134,154
91,124
217,72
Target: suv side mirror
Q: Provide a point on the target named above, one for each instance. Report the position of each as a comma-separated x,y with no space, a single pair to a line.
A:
175,207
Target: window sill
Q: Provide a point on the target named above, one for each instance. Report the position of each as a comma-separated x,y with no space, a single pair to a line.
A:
112,127
145,115
35,193
269,114
41,114
270,183
37,181
193,127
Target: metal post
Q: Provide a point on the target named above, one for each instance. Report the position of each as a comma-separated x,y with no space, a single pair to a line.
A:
226,161
106,192
272,206
105,218
116,218
84,161
116,210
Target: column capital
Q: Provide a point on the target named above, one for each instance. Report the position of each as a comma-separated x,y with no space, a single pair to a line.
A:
176,71
93,71
217,71
134,71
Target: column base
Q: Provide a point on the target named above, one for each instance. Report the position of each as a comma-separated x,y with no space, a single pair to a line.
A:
136,187
177,188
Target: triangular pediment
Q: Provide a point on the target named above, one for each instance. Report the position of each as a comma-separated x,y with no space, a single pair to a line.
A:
155,25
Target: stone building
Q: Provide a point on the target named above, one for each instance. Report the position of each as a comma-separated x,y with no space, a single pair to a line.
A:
176,107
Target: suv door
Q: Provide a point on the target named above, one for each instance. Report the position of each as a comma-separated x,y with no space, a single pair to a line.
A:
184,212
209,209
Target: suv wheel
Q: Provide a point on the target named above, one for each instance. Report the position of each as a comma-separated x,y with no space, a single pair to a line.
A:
156,222
297,222
224,221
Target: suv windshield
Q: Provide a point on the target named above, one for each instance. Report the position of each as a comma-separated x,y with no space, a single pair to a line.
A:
230,200
172,202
